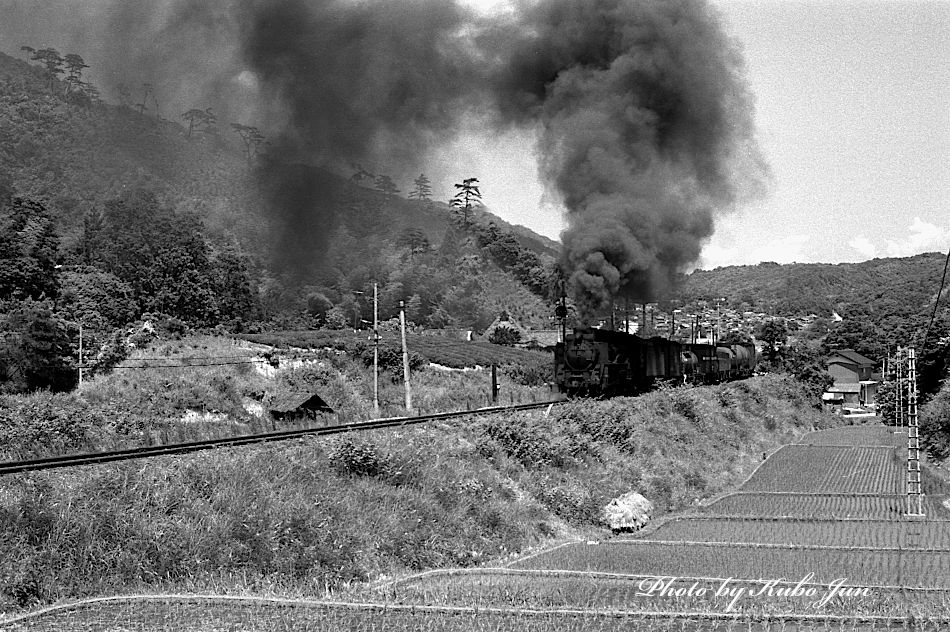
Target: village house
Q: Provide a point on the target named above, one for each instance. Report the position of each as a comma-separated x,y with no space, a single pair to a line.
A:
854,377
297,406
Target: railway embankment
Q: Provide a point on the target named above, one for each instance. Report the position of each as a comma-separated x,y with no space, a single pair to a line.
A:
313,516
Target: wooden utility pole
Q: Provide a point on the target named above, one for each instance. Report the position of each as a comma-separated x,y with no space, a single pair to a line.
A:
561,313
376,349
80,355
494,383
405,356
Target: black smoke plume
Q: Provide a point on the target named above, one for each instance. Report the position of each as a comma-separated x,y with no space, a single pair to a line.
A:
643,119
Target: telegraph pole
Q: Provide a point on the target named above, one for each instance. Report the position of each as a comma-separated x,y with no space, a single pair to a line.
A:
561,312
914,494
376,349
405,356
80,355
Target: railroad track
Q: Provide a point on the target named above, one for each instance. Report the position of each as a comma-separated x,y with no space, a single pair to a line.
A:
75,460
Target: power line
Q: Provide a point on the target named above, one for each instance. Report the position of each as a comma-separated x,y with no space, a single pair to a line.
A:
933,314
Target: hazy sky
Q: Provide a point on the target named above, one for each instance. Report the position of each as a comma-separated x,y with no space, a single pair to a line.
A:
853,114
852,111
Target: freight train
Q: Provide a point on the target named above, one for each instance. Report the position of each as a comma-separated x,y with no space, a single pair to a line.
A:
604,362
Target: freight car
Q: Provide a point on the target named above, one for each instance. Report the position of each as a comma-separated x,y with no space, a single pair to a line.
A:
603,362
711,364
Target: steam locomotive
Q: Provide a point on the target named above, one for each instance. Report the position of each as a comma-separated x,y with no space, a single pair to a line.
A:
603,362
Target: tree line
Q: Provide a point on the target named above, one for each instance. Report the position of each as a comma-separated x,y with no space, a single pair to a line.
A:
68,71
135,259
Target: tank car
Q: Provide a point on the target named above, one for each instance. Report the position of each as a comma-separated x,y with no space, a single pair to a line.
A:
710,364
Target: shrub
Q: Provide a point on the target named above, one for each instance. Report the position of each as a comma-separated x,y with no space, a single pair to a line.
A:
529,373
532,443
46,423
390,359
685,405
506,336
356,458
564,496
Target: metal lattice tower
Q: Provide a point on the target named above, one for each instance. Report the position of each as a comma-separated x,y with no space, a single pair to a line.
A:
899,404
914,493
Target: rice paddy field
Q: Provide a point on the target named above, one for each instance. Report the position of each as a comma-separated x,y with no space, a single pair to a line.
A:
819,469
163,614
818,538
821,506
866,567
858,436
537,589
928,535
826,515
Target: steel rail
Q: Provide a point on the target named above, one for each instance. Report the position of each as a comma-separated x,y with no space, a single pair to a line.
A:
75,460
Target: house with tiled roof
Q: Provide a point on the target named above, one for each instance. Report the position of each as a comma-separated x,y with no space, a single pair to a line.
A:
854,377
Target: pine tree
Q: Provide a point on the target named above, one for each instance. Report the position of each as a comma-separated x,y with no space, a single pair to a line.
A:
74,65
387,186
466,199
422,190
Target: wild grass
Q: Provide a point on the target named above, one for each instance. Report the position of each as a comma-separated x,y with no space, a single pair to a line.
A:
318,515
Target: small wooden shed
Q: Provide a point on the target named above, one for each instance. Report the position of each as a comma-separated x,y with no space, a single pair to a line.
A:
296,406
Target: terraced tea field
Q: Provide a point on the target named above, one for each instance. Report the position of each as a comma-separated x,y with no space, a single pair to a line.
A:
441,350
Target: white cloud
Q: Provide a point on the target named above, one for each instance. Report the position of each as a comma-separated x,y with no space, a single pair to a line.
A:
920,237
864,246
724,250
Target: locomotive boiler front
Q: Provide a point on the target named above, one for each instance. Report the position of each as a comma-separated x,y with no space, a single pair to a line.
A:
577,361
598,361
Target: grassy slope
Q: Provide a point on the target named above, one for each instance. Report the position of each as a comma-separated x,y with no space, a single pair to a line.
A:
131,406
310,516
